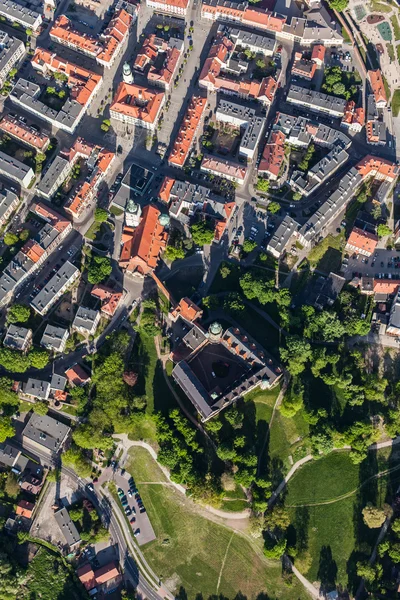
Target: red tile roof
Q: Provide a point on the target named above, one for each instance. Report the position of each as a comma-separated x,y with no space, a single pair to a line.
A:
165,190
379,168
109,298
188,310
106,573
138,102
77,375
142,246
187,131
24,133
86,577
363,240
318,52
24,509
273,154
377,85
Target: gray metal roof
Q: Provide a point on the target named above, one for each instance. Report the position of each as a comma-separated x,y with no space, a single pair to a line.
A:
13,168
47,296
46,184
37,388
67,527
58,382
316,100
85,318
193,388
53,336
18,12
282,235
7,200
16,336
46,431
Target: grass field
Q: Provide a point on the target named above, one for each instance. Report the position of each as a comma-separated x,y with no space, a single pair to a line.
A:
196,556
325,499
288,437
151,382
326,255
390,51
396,95
396,27
380,7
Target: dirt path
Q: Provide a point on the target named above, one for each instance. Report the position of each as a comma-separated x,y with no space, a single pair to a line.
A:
224,561
234,520
276,406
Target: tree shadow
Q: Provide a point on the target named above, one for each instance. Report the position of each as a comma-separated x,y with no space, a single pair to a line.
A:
327,570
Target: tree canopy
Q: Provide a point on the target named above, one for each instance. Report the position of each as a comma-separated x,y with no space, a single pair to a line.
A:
18,313
99,269
202,233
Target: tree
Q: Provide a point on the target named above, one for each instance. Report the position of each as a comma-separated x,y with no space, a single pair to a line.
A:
233,303
255,287
211,302
297,196
225,270
383,230
376,211
14,361
106,124
274,549
40,408
172,253
273,207
8,397
10,239
339,5
277,518
293,399
394,553
11,486
18,313
339,89
367,571
28,32
7,429
296,354
51,90
38,358
373,516
202,233
75,459
100,215
249,245
99,269
24,235
262,184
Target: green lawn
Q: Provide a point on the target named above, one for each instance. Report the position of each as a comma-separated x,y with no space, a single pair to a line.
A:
396,95
93,230
396,27
327,255
151,382
328,528
195,554
390,50
234,505
380,7
288,437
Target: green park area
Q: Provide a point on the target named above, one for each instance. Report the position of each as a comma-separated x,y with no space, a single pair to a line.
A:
396,101
325,499
194,555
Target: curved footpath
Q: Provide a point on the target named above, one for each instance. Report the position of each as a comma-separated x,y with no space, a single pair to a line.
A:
127,444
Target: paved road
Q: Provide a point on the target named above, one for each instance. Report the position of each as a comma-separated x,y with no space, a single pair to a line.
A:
127,558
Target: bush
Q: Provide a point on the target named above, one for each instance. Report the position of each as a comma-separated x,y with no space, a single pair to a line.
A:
18,313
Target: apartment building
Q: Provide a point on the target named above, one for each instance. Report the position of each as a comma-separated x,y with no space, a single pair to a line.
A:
86,321
245,118
273,156
55,288
137,105
24,134
54,338
45,434
315,27
307,183
316,101
14,169
18,338
160,59
224,168
282,237
219,64
84,85
393,327
105,48
8,203
98,163
378,88
108,297
16,12
172,7
187,132
353,118
11,52
303,67
362,242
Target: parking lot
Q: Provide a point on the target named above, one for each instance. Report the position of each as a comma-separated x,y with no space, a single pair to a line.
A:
141,527
384,263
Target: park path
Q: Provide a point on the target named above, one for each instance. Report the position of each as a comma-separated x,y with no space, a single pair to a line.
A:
127,444
276,405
